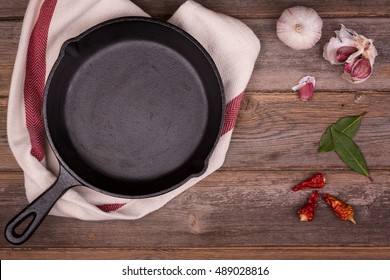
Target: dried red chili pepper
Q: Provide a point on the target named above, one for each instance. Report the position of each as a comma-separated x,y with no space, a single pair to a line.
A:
316,182
306,213
341,209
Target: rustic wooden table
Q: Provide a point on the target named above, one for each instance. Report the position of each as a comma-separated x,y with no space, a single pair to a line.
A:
246,210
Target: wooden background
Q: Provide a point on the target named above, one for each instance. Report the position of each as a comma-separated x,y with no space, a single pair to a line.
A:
247,209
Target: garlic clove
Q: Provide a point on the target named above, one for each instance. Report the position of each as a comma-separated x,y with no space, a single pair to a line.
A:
348,67
343,38
305,88
356,51
330,50
344,52
358,71
306,92
360,64
299,27
361,69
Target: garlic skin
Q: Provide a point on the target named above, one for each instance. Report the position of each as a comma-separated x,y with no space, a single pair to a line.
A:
299,27
355,51
305,88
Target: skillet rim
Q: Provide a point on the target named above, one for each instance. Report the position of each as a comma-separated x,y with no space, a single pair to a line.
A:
61,55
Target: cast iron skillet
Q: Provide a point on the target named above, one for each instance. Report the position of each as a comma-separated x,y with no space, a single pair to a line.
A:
133,108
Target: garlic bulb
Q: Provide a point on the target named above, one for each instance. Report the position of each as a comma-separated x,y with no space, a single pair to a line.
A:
299,27
355,51
305,88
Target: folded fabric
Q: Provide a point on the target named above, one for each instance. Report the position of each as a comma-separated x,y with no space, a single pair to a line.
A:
47,25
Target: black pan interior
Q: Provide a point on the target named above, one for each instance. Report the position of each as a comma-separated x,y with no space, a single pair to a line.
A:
133,107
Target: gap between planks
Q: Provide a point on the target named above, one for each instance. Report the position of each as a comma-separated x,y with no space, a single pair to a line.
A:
271,252
268,75
268,118
248,9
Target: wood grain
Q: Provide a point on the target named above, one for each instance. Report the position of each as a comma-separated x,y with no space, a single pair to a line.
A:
269,74
9,39
211,253
7,161
227,209
246,210
277,131
248,9
12,9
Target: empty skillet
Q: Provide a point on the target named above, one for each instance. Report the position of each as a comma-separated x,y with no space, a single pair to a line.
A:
132,108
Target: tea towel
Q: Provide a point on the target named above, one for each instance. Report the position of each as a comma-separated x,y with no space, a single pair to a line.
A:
47,24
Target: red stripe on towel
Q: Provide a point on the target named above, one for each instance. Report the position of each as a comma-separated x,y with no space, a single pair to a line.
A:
110,207
231,113
34,82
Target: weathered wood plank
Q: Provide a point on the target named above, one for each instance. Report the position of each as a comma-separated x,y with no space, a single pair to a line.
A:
7,161
279,132
9,40
236,213
271,9
227,209
5,79
241,9
12,9
278,67
213,253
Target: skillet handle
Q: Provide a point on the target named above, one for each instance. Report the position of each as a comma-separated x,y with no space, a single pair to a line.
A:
39,208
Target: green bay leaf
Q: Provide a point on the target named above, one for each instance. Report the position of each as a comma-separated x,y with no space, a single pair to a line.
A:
326,143
347,125
349,152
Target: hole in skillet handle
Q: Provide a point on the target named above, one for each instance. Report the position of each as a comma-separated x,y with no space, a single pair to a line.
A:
22,226
34,213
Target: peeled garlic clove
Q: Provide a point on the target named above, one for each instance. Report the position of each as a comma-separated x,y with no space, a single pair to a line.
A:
305,88
299,27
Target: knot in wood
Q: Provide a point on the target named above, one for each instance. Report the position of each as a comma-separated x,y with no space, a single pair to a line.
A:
360,98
